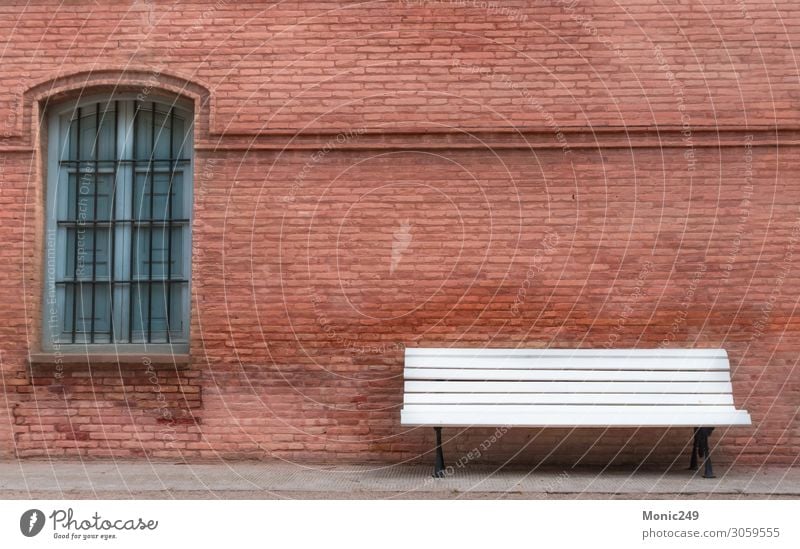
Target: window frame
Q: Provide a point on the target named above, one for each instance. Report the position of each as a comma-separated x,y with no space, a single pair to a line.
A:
55,131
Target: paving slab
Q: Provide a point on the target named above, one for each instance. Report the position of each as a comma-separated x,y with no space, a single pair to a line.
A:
113,479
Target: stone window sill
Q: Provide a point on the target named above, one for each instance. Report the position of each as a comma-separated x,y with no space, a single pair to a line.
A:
96,359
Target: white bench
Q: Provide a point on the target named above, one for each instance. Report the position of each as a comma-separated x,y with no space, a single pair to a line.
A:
571,388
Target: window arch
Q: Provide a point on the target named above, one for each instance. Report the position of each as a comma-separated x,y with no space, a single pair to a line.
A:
119,202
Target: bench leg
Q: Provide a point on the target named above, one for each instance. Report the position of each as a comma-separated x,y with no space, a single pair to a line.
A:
438,466
695,443
703,450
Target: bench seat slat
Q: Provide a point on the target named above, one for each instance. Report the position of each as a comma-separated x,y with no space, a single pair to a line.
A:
562,398
566,387
565,408
569,363
626,354
576,418
561,375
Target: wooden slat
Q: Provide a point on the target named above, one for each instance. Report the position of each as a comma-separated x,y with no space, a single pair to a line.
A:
564,418
560,398
489,351
500,352
562,375
478,409
568,363
566,387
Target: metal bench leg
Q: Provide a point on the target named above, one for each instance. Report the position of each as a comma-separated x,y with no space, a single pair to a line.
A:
693,459
705,453
438,467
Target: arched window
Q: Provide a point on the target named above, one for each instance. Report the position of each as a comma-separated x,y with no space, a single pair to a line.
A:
119,203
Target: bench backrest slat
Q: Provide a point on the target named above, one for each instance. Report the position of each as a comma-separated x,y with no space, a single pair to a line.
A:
713,399
585,359
566,387
452,374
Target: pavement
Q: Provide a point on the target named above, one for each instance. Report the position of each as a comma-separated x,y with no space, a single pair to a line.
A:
35,479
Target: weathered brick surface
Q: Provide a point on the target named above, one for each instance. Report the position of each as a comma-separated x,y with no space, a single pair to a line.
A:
335,63
318,257
140,410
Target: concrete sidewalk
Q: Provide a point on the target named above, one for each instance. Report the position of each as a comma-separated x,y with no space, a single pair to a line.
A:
250,480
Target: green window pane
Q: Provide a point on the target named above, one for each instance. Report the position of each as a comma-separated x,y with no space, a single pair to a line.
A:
80,298
88,253
157,306
167,255
167,194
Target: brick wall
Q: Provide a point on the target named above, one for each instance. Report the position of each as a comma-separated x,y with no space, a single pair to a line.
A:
391,174
107,410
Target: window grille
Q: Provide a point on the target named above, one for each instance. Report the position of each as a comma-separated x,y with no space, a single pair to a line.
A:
119,204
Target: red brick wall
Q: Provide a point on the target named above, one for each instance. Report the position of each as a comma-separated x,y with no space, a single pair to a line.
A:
109,410
574,212
332,64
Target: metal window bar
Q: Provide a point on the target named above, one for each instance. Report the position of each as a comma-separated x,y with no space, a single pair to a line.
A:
77,218
69,161
133,216
104,222
125,281
168,292
112,228
96,146
150,229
